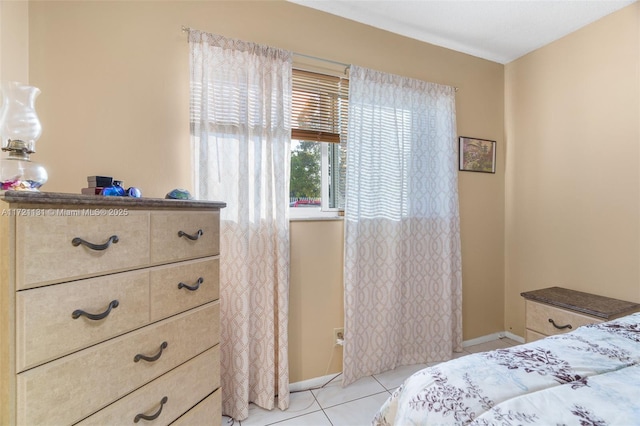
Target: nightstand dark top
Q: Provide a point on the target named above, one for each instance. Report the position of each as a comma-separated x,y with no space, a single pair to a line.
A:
590,304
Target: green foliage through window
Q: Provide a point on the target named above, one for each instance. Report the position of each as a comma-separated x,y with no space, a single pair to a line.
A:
306,172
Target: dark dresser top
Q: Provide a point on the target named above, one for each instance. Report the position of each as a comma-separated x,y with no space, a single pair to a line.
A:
56,198
591,304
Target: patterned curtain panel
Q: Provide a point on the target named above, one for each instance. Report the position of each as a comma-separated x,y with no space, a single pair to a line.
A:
403,279
241,136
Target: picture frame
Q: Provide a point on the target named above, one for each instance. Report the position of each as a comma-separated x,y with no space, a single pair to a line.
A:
477,155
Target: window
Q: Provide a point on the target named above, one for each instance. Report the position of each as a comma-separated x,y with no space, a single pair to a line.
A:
318,148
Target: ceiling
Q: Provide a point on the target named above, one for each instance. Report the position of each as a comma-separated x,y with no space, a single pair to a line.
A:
498,30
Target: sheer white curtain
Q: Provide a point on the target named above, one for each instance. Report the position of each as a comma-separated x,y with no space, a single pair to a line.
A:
241,135
403,279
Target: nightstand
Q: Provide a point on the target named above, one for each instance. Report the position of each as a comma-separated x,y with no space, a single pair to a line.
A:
558,310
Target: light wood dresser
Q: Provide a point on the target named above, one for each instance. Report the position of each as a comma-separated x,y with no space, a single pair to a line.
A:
558,310
109,310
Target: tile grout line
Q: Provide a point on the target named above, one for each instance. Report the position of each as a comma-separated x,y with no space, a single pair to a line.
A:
322,408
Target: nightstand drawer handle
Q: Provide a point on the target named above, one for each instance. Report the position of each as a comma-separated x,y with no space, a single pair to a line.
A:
78,312
194,287
191,237
112,239
156,357
153,416
560,327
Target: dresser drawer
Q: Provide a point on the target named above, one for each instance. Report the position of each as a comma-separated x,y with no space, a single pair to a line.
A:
180,389
69,389
538,316
206,413
45,252
184,235
179,287
47,328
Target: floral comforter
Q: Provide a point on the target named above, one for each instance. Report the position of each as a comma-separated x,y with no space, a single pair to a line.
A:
590,376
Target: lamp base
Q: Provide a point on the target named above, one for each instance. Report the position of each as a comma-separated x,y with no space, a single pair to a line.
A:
18,172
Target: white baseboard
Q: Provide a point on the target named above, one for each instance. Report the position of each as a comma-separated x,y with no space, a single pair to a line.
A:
313,383
514,337
320,381
491,337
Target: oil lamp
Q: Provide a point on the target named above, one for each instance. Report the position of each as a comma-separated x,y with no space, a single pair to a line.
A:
19,130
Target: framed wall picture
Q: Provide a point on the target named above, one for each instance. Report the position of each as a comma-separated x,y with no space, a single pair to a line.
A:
477,155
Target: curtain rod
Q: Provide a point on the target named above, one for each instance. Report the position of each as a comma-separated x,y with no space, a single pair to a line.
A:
347,66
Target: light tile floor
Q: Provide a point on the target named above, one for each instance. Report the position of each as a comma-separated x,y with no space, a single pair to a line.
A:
354,405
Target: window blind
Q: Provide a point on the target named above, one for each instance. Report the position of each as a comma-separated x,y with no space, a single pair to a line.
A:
319,106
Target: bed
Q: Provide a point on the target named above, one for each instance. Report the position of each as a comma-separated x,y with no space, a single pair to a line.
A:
590,376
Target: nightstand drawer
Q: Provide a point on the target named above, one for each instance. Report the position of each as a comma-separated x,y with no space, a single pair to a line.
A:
184,235
531,336
539,317
69,389
49,248
178,287
168,396
49,323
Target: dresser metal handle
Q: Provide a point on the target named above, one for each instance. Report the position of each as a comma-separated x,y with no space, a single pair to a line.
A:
193,287
112,239
152,416
191,237
156,357
79,312
560,327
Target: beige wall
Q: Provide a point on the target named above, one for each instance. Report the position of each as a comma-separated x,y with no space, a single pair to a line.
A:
14,41
316,298
114,80
573,166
